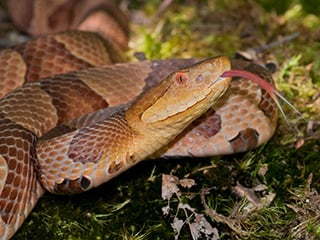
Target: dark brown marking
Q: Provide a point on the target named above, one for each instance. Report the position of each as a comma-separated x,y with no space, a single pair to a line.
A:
85,148
72,186
246,139
56,132
62,16
72,97
208,124
90,143
115,167
46,57
20,139
131,158
267,105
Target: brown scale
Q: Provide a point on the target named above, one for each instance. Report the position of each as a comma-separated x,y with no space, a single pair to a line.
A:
31,108
118,83
72,97
246,140
45,57
89,47
32,16
115,33
207,125
39,17
16,146
12,71
267,105
87,141
46,16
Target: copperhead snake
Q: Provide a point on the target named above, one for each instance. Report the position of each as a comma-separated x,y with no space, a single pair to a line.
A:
72,132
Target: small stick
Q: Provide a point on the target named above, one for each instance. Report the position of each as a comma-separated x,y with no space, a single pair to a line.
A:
276,43
164,5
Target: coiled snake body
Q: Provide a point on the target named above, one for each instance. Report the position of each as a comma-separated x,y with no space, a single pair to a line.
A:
173,107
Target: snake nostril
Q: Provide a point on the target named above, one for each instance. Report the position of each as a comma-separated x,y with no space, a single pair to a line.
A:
199,79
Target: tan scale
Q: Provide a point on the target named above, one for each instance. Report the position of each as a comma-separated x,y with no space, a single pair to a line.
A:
12,71
86,47
40,116
121,84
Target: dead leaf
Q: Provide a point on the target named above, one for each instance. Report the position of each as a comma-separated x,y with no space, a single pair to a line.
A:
176,226
263,170
187,182
169,186
201,225
299,143
166,210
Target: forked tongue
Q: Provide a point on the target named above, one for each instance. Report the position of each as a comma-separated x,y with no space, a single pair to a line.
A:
264,85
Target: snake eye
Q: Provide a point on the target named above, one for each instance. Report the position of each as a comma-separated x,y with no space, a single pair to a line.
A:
181,78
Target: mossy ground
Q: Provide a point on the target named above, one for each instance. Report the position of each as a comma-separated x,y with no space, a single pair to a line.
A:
129,207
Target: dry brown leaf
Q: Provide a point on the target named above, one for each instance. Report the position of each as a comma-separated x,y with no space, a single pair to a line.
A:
200,225
169,186
177,224
187,182
166,210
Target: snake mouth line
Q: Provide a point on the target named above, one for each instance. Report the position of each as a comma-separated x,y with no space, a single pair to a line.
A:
201,99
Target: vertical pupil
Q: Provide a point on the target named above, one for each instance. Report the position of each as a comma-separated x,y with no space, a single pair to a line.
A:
181,78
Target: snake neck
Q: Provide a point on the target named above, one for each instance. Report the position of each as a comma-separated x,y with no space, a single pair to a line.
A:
122,139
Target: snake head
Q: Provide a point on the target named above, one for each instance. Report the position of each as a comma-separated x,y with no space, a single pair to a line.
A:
190,91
